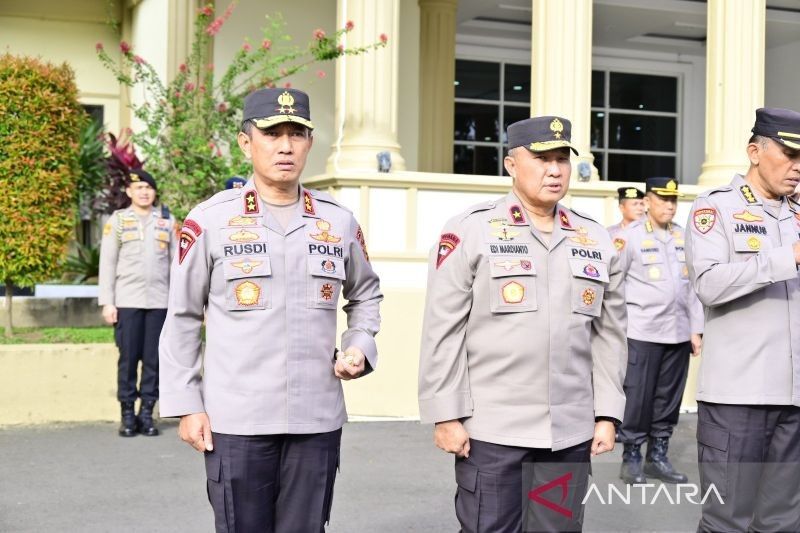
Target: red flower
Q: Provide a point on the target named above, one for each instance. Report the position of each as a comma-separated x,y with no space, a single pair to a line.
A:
321,74
139,60
266,44
340,48
210,66
349,26
182,68
319,34
288,85
222,107
124,47
213,28
384,38
98,47
189,87
177,94
246,47
208,11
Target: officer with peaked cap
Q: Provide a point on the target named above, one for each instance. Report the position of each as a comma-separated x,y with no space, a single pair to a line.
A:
266,265
631,207
523,342
743,251
235,182
138,245
665,323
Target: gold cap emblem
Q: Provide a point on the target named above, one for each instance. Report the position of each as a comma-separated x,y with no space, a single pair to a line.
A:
630,193
556,127
672,186
287,101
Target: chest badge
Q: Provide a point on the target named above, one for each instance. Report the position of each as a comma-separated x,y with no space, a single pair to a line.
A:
754,243
326,292
246,266
583,237
504,231
243,236
747,216
654,273
588,296
328,266
247,293
513,292
324,234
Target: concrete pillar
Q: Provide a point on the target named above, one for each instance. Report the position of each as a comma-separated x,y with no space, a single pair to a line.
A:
561,68
437,93
366,89
734,84
182,16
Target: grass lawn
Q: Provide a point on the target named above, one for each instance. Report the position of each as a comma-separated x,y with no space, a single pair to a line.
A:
59,335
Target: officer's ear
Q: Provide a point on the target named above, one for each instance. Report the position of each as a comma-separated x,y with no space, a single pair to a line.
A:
647,202
244,141
754,153
510,163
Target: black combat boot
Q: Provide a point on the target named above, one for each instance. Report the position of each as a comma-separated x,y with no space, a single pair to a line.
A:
631,470
657,464
128,426
146,425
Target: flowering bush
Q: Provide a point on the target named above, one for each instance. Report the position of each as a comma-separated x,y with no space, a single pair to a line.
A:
191,122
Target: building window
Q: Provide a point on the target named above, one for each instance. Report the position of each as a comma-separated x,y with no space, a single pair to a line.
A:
489,97
635,124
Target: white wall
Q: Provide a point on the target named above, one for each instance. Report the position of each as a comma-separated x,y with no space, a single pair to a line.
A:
149,32
302,17
782,76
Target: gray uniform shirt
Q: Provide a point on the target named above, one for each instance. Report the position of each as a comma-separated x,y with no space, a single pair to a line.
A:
135,257
269,296
742,266
523,341
662,306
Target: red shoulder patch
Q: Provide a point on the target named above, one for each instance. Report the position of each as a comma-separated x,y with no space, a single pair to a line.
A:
447,243
562,216
185,244
193,226
360,238
250,202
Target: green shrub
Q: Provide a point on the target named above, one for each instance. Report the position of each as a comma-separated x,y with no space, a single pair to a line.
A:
40,122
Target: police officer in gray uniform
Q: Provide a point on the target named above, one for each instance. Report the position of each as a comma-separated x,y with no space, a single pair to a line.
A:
265,265
523,343
138,245
743,251
665,323
631,207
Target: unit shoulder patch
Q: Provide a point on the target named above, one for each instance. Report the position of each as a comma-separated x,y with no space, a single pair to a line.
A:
447,243
704,219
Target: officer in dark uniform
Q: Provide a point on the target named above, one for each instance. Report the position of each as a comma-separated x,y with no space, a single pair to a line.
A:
743,251
235,182
665,321
138,245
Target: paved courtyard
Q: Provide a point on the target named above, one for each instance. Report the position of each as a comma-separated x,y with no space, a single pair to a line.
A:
85,478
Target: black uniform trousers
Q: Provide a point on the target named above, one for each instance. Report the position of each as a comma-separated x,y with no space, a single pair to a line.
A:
495,481
136,333
751,454
653,387
272,483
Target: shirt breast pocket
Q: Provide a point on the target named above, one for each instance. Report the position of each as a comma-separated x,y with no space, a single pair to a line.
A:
326,275
588,278
746,243
513,284
247,283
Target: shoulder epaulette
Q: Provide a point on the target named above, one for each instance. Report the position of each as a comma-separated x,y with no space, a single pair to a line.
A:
327,198
222,196
724,188
477,208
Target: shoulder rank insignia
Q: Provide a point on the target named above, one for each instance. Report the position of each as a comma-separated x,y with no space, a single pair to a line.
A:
447,243
564,219
648,226
308,203
704,219
107,228
325,235
749,197
250,202
747,216
516,214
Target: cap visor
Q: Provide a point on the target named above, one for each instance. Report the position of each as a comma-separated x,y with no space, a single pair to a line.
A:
267,122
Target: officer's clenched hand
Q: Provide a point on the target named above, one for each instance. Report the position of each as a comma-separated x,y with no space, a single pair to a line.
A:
195,429
603,440
452,437
350,364
110,314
